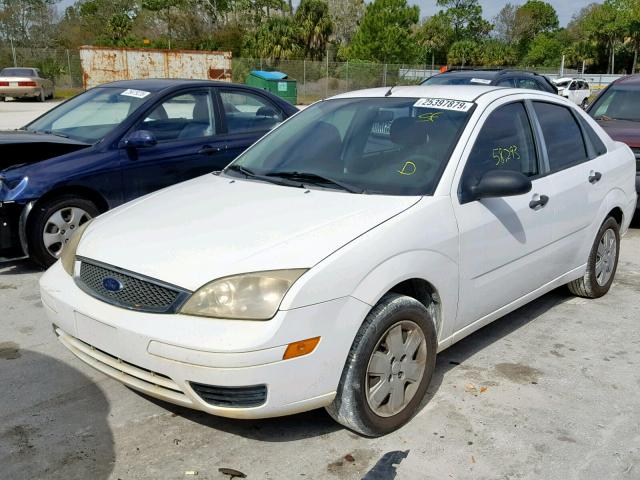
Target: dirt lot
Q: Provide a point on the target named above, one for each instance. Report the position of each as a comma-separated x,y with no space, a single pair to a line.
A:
552,391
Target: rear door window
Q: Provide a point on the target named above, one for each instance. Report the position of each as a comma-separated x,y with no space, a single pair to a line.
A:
527,83
247,112
562,136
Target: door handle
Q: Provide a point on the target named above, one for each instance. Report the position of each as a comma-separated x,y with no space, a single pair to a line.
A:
538,201
594,177
209,150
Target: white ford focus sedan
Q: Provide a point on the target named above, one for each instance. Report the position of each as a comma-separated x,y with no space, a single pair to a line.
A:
330,262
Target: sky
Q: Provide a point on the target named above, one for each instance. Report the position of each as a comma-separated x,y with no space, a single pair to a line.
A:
490,8
565,8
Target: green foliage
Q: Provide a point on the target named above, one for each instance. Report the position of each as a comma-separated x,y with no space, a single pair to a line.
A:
544,50
466,19
434,35
277,38
495,53
315,26
464,52
384,35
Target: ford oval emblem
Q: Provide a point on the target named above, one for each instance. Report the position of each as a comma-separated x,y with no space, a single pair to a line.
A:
112,285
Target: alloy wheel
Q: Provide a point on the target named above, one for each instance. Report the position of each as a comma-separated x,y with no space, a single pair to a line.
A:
606,257
60,226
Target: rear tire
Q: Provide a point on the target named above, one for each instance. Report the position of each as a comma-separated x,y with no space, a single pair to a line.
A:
388,369
585,103
56,219
602,263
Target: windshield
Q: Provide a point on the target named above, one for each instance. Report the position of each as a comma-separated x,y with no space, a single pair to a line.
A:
563,84
618,103
448,79
393,146
17,72
91,115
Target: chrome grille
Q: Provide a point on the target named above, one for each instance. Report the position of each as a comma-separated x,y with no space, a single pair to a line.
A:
136,292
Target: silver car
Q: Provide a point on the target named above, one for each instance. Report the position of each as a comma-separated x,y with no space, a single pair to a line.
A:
24,82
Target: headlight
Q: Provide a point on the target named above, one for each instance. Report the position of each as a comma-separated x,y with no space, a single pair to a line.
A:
68,255
250,296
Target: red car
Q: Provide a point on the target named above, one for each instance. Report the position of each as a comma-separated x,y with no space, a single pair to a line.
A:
617,110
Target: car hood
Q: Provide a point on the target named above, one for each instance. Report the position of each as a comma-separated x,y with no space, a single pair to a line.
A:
215,226
20,147
625,131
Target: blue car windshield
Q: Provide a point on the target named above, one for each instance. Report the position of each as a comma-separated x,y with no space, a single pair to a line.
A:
389,146
90,116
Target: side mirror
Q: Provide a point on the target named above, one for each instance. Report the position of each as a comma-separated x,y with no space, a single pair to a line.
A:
139,139
501,183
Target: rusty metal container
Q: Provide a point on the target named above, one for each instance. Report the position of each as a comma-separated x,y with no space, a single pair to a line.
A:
103,64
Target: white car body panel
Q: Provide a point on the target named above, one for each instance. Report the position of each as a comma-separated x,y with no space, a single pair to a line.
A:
482,259
257,226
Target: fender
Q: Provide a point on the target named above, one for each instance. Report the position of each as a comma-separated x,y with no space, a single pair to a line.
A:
409,265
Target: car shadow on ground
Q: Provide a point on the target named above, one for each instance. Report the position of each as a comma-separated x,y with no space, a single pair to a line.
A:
317,422
460,352
53,419
18,267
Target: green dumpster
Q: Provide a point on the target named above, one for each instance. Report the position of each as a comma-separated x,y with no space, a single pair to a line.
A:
277,83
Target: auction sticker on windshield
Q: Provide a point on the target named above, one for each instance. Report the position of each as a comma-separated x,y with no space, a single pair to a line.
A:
130,92
444,104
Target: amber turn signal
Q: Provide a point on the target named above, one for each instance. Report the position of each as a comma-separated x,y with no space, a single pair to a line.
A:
298,349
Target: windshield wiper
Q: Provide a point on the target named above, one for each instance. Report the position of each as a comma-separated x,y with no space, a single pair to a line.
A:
315,178
251,174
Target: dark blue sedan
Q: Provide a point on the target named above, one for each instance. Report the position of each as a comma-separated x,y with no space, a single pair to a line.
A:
117,142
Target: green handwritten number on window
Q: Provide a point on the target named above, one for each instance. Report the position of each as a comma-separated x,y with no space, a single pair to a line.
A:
502,155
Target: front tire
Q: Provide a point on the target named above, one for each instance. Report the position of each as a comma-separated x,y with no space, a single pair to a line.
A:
388,369
602,263
52,224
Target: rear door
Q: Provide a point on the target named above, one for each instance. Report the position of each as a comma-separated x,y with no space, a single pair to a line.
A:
573,173
503,241
185,125
245,117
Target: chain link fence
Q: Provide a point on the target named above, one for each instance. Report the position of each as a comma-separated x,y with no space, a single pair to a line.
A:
315,79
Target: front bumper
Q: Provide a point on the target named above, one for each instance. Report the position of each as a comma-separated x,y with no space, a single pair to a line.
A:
164,355
12,241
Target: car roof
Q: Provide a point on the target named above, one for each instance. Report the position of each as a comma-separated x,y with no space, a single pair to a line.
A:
157,84
629,80
466,93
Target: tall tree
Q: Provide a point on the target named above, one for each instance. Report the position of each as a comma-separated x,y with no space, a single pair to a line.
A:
315,25
466,19
434,36
385,33
504,23
345,15
276,39
533,18
605,24
27,22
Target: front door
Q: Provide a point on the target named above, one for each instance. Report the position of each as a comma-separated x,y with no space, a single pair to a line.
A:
503,241
188,144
